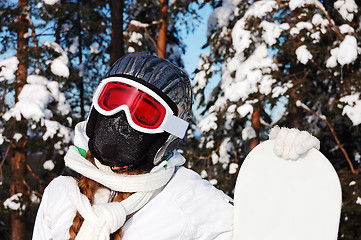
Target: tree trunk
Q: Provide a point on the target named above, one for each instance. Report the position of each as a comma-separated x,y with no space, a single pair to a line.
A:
80,74
18,158
256,124
117,41
18,163
162,34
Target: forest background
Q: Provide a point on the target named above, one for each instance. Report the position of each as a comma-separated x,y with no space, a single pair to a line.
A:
288,63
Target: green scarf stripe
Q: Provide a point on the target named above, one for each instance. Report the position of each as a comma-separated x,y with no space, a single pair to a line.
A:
81,151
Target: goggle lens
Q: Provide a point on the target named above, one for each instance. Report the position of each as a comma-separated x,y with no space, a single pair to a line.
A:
144,109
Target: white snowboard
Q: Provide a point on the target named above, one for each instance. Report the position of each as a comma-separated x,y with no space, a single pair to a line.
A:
278,199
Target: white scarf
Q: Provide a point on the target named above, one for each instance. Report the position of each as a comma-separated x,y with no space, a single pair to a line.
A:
100,220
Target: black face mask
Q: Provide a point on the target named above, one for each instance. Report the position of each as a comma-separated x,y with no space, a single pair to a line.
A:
115,143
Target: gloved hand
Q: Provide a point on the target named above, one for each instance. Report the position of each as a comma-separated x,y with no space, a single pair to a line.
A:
290,143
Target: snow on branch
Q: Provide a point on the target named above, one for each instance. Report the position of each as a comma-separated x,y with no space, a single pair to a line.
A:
14,203
352,108
8,68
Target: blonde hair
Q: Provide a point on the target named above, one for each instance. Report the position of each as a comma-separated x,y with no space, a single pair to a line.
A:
88,187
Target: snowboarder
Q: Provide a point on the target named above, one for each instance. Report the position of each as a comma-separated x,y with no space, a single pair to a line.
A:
139,114
123,178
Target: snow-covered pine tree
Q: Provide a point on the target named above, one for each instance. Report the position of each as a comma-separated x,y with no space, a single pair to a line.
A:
34,123
301,56
83,30
144,21
236,108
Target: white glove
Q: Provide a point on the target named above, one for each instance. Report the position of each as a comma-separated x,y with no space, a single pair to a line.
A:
290,143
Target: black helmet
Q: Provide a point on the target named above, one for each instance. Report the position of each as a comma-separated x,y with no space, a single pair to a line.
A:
113,141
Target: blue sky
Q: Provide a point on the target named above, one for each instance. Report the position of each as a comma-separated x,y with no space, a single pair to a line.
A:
194,42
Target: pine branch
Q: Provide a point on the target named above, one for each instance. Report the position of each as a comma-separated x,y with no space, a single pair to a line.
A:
324,119
145,26
3,160
40,182
323,10
210,155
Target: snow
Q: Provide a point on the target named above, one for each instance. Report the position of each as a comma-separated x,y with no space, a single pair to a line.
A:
352,108
210,144
204,174
358,200
345,28
259,9
332,60
200,79
32,103
138,24
136,38
299,27
213,182
33,198
352,183
8,68
252,75
220,16
2,138
95,48
347,51
14,203
303,55
248,133
242,38
34,98
278,91
74,46
224,152
357,157
346,8
51,2
17,136
272,31
59,65
318,20
208,123
58,96
48,165
233,168
244,110
59,68
214,158
293,4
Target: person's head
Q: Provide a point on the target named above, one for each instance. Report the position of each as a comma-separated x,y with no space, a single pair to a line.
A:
139,112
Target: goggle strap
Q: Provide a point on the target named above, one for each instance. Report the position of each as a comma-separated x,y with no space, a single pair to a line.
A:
176,126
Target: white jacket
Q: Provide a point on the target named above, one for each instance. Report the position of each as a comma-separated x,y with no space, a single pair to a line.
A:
187,208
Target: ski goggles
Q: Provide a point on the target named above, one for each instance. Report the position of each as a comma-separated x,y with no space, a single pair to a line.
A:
145,110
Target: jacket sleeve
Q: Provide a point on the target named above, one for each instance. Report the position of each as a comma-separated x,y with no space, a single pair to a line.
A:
42,225
55,214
